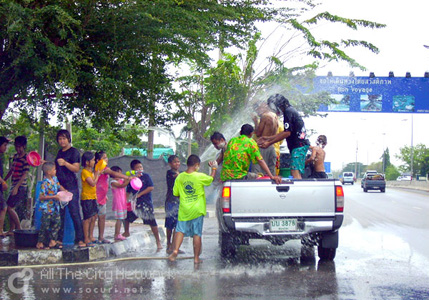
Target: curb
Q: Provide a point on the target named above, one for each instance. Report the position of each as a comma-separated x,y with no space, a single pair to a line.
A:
72,254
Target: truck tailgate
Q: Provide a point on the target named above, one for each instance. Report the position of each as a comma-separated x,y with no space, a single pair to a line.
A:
262,198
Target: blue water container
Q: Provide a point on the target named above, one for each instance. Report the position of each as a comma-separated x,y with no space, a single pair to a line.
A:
37,212
69,234
68,238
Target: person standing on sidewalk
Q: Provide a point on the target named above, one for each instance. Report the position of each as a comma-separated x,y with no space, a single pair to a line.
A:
144,205
67,164
18,193
3,185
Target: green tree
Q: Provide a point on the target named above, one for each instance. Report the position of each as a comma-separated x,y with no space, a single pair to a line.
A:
378,166
420,159
391,172
358,167
385,158
93,58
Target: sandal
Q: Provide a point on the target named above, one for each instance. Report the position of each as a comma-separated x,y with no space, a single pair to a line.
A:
104,241
57,246
120,237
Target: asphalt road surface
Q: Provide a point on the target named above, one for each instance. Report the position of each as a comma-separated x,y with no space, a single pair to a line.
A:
383,254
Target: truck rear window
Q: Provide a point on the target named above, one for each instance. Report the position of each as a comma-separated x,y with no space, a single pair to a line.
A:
348,174
375,177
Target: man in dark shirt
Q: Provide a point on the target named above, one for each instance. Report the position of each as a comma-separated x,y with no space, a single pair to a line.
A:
67,164
294,133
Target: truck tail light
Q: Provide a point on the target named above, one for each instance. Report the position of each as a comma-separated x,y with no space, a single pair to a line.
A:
339,198
226,199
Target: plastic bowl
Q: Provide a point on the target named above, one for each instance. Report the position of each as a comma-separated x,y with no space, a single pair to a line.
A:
136,183
34,159
65,196
101,165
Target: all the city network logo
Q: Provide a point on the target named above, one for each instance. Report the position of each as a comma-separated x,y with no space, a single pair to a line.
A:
18,282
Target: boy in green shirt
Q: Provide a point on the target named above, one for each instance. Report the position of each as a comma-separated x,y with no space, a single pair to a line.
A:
189,187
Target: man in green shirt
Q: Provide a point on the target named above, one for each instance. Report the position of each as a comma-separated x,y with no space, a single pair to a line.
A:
189,187
240,152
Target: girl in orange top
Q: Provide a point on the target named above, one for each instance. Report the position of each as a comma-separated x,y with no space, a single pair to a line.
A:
89,197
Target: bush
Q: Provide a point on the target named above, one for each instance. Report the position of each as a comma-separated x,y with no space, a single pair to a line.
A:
392,173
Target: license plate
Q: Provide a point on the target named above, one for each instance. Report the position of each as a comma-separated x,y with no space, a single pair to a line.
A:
283,225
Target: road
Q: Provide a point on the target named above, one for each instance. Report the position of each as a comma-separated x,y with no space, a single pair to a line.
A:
383,254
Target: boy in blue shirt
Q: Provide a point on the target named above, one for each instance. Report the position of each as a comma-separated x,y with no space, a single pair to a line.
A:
144,206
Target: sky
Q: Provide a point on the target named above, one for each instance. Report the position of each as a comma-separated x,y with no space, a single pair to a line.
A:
401,44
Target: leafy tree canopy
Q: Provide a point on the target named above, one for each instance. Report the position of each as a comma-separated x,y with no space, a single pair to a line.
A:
103,59
420,159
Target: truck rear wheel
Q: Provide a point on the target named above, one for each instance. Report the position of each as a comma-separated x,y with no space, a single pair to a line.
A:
228,247
326,253
383,190
365,190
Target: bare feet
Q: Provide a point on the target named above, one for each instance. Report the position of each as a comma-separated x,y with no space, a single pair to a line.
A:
159,245
173,255
81,244
126,234
198,261
40,246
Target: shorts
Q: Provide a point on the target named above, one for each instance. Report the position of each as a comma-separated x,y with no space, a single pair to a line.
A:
131,217
171,214
319,175
89,208
144,211
191,227
12,201
101,209
298,158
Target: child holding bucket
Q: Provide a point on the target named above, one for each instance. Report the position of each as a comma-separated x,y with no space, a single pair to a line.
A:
119,202
88,199
102,186
50,207
144,206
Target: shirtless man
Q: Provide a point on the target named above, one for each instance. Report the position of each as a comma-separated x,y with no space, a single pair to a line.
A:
317,158
266,125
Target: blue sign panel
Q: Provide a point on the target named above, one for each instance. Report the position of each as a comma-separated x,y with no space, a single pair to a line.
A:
327,165
377,94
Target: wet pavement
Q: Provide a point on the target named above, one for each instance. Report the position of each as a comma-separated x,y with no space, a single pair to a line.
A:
383,254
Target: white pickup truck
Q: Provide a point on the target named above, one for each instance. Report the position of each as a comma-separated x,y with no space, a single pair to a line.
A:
310,210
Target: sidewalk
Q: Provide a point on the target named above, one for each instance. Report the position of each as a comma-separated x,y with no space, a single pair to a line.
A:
10,255
414,185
